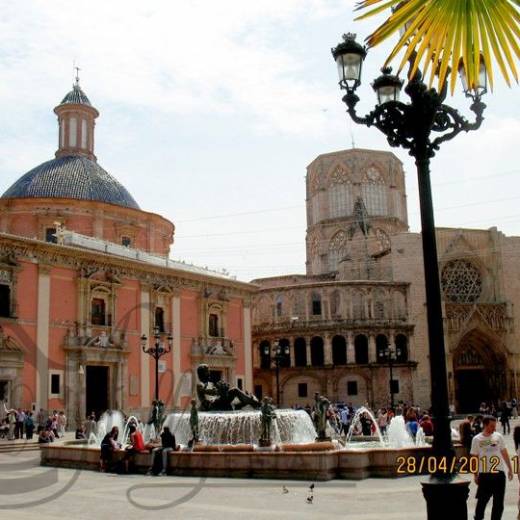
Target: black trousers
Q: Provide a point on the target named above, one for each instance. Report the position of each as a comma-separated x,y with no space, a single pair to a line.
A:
491,485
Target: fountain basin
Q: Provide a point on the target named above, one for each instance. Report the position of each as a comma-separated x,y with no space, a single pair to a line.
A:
255,463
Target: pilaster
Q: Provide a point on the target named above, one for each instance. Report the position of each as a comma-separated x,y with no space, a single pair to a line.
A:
42,336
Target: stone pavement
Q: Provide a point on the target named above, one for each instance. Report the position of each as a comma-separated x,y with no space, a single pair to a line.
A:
28,490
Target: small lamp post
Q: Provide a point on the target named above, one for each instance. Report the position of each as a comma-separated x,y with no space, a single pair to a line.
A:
390,354
157,350
421,126
278,354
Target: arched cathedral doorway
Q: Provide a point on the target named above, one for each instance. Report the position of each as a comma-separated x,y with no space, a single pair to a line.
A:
480,374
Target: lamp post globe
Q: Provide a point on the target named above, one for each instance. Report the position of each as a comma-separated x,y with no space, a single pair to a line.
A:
349,56
387,86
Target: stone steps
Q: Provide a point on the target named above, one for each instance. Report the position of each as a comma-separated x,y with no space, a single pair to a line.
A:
17,446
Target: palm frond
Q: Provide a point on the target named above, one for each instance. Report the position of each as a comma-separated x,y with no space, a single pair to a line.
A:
441,34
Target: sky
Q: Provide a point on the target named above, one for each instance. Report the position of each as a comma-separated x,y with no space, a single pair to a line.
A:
210,113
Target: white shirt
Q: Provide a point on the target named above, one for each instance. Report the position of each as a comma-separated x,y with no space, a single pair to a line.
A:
486,448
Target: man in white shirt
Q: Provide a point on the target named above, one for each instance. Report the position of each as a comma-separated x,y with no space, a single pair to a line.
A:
493,458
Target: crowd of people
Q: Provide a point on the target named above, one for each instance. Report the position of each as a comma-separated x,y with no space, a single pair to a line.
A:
21,424
341,415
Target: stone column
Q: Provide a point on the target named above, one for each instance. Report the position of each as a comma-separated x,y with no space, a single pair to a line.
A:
42,336
327,350
291,352
308,350
145,372
351,351
372,354
248,350
176,349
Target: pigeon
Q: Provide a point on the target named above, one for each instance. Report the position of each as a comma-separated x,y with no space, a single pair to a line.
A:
284,490
311,487
310,498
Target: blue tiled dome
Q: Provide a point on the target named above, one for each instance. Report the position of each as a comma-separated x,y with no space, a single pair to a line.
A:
71,177
76,96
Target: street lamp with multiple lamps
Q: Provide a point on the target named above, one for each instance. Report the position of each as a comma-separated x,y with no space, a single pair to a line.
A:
157,350
390,354
278,354
421,126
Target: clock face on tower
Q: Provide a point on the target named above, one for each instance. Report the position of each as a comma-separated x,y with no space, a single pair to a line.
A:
373,174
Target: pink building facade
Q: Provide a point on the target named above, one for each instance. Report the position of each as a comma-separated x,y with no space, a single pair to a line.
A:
84,273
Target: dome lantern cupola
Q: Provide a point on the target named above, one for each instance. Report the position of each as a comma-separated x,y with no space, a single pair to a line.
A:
76,119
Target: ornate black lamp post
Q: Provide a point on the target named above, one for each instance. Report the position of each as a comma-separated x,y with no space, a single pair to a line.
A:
278,353
390,354
420,126
156,351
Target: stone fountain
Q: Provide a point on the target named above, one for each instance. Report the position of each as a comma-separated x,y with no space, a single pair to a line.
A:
227,435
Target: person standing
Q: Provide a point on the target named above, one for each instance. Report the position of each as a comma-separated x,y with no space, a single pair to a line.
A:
20,418
62,423
382,420
29,426
504,418
90,427
344,417
40,418
11,416
489,447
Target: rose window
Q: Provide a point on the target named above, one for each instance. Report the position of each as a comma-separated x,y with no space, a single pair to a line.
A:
461,282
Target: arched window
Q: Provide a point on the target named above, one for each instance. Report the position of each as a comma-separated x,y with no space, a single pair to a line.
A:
335,304
286,357
5,301
401,344
399,305
358,305
279,306
73,128
314,250
263,310
265,354
373,192
379,305
300,352
381,346
298,305
317,358
316,304
340,200
159,318
339,350
98,311
361,349
213,325
337,247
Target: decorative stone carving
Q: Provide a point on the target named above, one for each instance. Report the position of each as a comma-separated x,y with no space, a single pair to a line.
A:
339,175
461,282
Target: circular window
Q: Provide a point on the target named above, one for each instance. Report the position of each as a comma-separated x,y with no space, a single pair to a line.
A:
461,282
